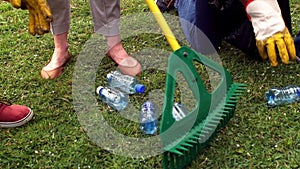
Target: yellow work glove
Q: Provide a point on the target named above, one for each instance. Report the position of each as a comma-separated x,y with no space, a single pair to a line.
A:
40,14
270,31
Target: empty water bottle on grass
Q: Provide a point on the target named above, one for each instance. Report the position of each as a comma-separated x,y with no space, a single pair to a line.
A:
112,97
148,118
125,83
288,94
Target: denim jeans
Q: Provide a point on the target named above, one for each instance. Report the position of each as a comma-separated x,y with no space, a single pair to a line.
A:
186,12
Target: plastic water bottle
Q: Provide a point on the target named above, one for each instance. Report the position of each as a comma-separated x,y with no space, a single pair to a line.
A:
179,111
148,118
277,96
112,97
125,83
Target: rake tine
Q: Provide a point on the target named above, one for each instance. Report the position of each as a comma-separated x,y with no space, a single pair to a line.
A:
217,119
205,130
213,121
187,144
238,87
209,129
233,100
234,95
227,108
198,135
239,91
211,125
194,137
192,141
241,85
229,105
176,152
182,148
237,94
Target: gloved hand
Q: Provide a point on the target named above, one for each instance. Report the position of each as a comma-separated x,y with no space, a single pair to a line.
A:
40,14
270,31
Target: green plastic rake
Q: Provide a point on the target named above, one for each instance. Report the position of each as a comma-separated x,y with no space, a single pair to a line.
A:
183,140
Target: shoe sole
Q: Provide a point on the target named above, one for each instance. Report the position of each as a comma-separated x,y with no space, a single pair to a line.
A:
17,123
54,73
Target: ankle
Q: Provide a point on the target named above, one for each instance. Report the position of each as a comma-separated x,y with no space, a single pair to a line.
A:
118,53
61,49
112,41
61,41
59,58
60,53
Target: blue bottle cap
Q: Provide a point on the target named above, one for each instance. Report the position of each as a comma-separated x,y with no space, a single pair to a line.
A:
139,88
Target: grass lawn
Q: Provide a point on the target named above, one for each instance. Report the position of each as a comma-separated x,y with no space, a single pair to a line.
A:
257,136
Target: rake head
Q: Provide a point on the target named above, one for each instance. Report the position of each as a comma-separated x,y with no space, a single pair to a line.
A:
183,140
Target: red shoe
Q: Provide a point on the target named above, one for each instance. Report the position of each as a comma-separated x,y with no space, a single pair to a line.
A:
12,115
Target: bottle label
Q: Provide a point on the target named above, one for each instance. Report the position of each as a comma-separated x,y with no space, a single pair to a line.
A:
277,96
123,82
148,118
110,95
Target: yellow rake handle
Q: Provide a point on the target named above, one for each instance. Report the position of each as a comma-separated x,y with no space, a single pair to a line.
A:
163,25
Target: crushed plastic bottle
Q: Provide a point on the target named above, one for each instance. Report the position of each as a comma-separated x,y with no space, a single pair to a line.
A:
125,83
148,118
277,96
112,97
179,111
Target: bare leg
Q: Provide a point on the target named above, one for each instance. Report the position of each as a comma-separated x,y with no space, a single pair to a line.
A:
115,48
61,53
59,58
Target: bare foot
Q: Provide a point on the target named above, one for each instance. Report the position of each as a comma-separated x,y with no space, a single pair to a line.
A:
127,64
59,57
